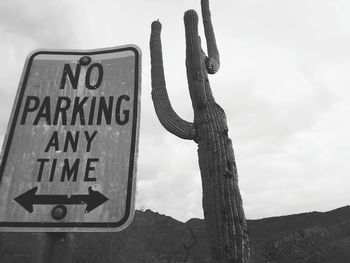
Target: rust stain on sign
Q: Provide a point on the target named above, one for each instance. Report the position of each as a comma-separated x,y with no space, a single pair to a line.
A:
69,155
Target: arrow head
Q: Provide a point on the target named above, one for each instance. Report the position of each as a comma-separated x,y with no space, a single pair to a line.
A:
94,200
26,199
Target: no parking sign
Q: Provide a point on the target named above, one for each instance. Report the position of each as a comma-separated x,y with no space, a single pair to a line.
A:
69,155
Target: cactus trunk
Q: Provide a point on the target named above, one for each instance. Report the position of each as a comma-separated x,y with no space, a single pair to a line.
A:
222,202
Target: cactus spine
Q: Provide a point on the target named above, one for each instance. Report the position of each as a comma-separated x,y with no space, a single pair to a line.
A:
222,202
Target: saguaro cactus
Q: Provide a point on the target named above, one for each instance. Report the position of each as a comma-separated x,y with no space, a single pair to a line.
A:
222,202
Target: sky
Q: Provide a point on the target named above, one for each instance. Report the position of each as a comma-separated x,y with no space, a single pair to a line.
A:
284,85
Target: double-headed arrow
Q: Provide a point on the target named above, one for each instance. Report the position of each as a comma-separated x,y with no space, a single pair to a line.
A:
29,198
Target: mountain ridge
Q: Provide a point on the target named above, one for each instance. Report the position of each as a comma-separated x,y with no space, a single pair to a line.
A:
314,237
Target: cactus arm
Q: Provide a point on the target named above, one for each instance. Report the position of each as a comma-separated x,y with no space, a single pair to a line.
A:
166,115
195,61
212,61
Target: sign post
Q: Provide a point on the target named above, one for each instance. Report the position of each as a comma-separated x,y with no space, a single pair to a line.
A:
69,155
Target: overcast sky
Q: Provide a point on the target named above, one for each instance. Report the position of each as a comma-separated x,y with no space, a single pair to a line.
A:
284,84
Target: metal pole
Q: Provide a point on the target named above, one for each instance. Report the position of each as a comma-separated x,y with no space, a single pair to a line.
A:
57,248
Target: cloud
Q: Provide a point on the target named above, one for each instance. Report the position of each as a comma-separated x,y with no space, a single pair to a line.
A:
168,177
283,83
285,97
25,26
45,23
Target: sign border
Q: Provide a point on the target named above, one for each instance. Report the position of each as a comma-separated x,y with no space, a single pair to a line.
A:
129,211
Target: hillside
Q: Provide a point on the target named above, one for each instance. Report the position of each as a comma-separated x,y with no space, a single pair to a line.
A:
309,237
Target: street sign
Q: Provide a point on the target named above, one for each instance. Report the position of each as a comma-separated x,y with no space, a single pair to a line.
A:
69,155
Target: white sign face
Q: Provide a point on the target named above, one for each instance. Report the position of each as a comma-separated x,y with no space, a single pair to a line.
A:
69,155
